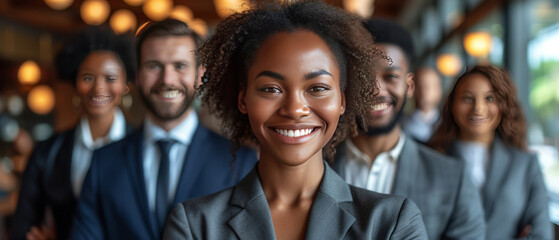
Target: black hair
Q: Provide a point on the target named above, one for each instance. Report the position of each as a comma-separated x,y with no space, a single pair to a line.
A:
390,32
94,39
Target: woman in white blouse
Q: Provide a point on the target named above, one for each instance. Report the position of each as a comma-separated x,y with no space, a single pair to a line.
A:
482,123
100,65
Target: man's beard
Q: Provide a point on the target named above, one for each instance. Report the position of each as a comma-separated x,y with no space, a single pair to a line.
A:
164,111
377,131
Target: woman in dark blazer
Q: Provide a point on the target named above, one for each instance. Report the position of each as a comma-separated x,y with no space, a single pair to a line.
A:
293,78
99,64
482,123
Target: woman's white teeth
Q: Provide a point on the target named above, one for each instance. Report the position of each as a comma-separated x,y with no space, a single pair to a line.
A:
380,106
169,94
294,133
100,98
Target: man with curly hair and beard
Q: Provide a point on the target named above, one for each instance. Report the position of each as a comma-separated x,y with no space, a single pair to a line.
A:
384,159
133,183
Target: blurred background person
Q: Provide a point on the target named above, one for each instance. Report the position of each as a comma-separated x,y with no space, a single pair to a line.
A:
11,170
483,124
100,65
382,158
420,124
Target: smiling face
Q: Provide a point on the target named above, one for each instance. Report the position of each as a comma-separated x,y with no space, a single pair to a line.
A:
101,83
293,98
396,84
475,109
168,75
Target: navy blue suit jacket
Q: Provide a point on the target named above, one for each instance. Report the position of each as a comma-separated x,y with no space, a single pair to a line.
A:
114,204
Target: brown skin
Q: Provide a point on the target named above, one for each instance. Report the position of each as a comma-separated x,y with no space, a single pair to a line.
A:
101,83
167,78
395,81
428,90
292,84
475,110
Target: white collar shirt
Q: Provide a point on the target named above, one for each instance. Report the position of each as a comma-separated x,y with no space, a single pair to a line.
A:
476,157
182,135
375,175
84,145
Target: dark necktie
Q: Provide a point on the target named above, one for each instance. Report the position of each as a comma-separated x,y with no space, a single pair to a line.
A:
162,191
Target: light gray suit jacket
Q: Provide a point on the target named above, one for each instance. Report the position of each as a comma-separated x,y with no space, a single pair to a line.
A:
449,203
339,211
514,194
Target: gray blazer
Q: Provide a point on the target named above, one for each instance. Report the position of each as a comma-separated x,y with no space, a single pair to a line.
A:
514,194
438,184
339,211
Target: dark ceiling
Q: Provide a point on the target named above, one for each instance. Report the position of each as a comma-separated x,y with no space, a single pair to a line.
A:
37,14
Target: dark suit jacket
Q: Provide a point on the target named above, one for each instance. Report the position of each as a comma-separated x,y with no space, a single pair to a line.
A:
339,211
514,194
449,202
114,204
47,182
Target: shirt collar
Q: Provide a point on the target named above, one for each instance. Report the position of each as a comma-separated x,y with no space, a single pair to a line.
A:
182,133
355,154
116,132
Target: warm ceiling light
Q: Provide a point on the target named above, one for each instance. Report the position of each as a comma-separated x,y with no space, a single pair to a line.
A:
41,99
59,4
477,44
182,13
134,3
29,73
157,10
123,21
225,8
363,8
449,64
95,12
199,26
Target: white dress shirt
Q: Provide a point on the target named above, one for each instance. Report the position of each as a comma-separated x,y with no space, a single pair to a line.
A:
376,176
182,134
476,156
84,147
421,125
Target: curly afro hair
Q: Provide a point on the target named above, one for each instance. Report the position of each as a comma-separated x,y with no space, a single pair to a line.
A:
94,39
229,53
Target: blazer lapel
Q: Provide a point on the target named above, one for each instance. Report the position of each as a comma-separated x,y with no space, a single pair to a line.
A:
133,157
327,219
191,166
254,221
407,167
499,165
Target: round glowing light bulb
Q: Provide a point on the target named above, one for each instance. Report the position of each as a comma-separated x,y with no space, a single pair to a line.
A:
157,10
449,64
95,12
123,21
41,99
477,44
29,73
